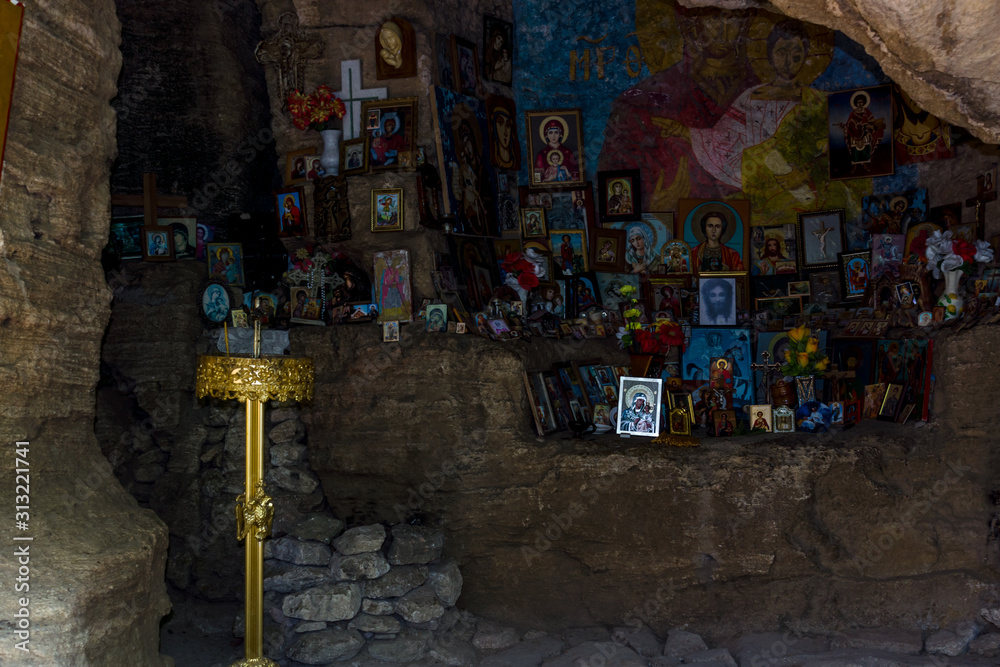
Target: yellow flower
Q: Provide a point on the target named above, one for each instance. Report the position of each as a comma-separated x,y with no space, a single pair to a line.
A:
632,312
812,345
788,356
626,290
803,359
798,333
821,364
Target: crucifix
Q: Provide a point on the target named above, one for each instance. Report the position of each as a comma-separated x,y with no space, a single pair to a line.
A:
289,49
768,370
820,233
985,192
353,94
835,375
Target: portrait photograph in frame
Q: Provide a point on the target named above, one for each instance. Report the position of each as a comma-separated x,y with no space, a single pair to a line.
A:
290,212
498,50
216,302
465,66
555,147
225,262
619,195
354,156
821,237
855,270
392,144
185,232
387,209
157,243
607,250
297,165
717,301
717,231
639,402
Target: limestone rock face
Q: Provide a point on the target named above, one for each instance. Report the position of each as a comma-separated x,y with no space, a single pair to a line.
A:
941,53
97,559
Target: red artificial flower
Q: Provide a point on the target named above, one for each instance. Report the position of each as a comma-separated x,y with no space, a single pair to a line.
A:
918,246
527,280
670,333
964,249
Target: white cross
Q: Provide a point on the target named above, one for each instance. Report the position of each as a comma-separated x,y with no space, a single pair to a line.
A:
353,95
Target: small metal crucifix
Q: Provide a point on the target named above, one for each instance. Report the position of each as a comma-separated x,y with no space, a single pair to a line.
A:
768,369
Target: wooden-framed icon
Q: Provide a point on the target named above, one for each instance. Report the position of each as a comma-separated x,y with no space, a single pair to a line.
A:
555,147
821,238
855,271
465,66
297,165
290,212
533,223
157,243
354,156
391,129
619,195
607,250
387,209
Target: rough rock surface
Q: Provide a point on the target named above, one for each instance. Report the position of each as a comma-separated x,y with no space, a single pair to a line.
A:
97,559
859,528
940,53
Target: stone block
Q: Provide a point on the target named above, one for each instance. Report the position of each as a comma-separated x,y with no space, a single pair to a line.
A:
419,605
368,565
907,642
446,580
681,643
325,646
377,607
330,602
282,577
287,432
300,552
595,633
296,480
720,656
408,646
952,643
318,527
529,653
288,455
642,640
775,649
453,652
310,626
397,582
415,545
379,624
608,654
986,645
279,415
492,636
360,540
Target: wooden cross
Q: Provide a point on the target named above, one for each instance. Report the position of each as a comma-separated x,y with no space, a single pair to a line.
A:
289,49
149,200
985,192
353,94
835,375
768,369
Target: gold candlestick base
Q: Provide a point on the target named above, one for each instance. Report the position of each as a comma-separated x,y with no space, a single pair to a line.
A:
254,662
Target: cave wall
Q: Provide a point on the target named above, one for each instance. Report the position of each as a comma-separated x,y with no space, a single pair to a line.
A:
96,562
879,525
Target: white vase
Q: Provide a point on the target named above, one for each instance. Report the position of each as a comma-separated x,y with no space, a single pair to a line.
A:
513,283
950,299
330,157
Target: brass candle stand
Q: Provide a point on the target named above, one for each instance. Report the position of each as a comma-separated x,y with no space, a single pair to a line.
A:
254,379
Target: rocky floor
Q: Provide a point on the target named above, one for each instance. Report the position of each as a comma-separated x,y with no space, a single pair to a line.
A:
199,635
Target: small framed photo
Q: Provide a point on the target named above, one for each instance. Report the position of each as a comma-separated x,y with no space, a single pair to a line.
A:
225,262
619,195
717,301
555,147
569,250
798,288
639,406
240,319
304,308
780,307
680,422
855,270
390,332
761,420
354,156
852,412
465,66
185,233
821,236
297,165
533,223
157,243
607,250
387,210
784,419
724,422
891,402
290,210
836,412
663,295
676,257
437,318
392,144
905,294
824,287
498,50
216,302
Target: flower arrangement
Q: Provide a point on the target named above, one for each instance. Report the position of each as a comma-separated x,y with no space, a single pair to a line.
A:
636,339
944,253
803,356
514,264
316,111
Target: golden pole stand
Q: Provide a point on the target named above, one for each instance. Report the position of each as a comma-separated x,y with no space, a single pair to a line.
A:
254,380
